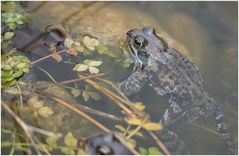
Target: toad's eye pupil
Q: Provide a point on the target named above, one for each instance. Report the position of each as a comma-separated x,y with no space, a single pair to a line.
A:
139,42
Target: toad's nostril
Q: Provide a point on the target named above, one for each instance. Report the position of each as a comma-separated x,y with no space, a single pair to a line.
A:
130,33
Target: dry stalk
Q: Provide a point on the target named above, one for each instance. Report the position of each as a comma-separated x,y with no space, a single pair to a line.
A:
79,79
110,95
159,143
23,125
48,56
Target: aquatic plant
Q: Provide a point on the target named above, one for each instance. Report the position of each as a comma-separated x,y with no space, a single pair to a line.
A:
13,67
13,20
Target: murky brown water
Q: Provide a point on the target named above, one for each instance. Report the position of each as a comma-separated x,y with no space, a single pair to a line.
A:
205,31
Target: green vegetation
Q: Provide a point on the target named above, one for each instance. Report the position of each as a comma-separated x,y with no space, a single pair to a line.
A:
13,66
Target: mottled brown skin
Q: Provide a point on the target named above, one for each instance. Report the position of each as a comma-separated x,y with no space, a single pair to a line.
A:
171,75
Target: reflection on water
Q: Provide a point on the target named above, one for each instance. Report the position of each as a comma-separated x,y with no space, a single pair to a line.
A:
205,31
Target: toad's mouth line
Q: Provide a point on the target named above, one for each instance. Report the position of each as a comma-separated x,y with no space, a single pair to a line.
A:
138,64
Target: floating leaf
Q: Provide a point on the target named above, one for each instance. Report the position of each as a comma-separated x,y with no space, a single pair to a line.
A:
75,92
90,43
85,95
133,121
126,63
68,43
94,70
8,35
143,151
81,152
104,50
80,67
139,106
45,111
51,141
38,104
67,150
131,143
154,151
152,126
57,57
121,128
32,100
95,63
70,140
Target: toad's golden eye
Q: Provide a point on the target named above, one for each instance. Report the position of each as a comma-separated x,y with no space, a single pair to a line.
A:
140,42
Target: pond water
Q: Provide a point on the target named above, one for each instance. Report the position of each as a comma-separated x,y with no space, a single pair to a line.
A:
205,31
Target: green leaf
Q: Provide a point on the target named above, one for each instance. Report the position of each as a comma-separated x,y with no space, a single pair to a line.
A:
75,92
126,63
45,111
68,43
32,100
8,35
154,151
38,104
67,150
138,106
104,50
152,126
81,151
95,63
90,43
21,65
6,73
85,95
80,67
70,140
121,128
51,141
143,151
137,133
133,121
94,70
95,96
131,143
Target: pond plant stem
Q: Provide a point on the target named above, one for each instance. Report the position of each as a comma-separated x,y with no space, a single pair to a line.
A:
46,57
159,143
24,127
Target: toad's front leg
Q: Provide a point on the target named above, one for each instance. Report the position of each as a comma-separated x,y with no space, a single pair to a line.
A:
134,83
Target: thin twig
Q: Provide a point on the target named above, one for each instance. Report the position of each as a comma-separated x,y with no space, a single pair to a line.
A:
79,79
109,94
123,142
159,143
114,87
48,74
48,56
22,124
20,95
44,132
